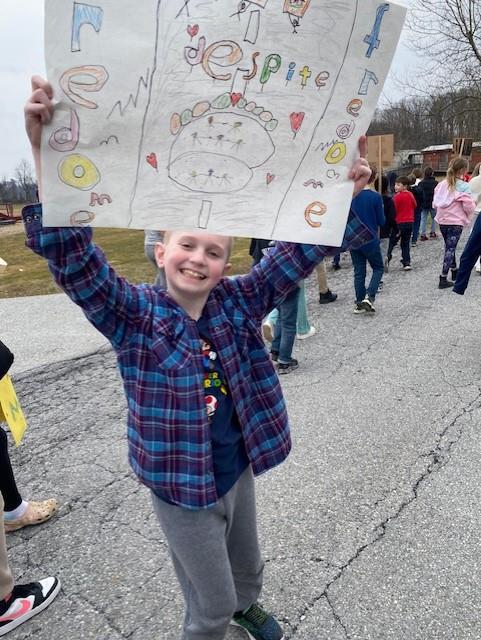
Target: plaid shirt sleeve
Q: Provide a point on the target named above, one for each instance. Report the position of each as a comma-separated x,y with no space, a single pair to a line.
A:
268,282
81,269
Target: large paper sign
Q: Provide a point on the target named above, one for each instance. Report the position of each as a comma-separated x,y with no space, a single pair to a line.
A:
10,410
238,117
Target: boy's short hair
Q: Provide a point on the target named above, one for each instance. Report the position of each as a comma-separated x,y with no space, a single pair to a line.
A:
230,246
404,180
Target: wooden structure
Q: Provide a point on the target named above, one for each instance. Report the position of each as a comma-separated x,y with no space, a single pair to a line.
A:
438,156
7,215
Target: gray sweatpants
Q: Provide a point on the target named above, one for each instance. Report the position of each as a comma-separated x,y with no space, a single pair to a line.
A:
216,558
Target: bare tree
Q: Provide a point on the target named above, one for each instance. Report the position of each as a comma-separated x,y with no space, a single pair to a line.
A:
25,181
447,33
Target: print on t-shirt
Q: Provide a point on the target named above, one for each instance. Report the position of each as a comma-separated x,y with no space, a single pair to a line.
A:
214,385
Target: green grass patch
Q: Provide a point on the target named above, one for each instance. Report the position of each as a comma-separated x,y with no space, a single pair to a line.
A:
27,274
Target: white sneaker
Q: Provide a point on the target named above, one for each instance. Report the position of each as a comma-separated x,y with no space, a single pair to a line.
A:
268,330
303,336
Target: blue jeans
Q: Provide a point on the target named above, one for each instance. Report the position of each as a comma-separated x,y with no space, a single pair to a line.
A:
416,223
471,253
285,331
425,213
360,257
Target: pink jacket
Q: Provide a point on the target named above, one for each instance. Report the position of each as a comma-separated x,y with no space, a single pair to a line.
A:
452,207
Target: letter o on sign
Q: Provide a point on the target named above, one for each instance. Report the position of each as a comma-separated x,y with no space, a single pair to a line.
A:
79,172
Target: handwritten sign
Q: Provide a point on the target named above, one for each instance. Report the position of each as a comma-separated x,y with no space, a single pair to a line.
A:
10,410
237,117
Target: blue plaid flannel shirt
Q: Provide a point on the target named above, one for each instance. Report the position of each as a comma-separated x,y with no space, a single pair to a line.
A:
159,354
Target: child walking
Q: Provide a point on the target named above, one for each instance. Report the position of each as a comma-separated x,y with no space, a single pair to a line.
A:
205,407
454,208
426,187
405,205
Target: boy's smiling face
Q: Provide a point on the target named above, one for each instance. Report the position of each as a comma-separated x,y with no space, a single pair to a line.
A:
194,262
399,186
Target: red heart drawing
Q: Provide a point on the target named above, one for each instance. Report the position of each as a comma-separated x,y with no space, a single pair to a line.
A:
193,30
152,160
234,98
296,121
269,178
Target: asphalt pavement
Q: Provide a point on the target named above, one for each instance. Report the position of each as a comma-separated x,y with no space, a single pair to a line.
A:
370,530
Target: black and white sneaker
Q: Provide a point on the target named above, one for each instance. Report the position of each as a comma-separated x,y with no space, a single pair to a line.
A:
25,601
358,308
287,367
368,304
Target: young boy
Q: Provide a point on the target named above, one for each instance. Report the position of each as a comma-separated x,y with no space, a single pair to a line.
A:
205,408
405,205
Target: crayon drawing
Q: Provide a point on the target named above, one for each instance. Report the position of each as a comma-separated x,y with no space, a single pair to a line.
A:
237,117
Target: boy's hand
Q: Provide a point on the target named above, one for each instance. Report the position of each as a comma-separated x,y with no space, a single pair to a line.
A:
38,110
360,171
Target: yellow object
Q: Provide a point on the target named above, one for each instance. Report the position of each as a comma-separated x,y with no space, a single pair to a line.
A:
10,410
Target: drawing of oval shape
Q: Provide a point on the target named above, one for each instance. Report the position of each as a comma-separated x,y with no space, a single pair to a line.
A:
242,103
222,101
316,208
265,116
79,172
271,125
66,138
186,116
175,124
82,218
200,108
231,134
209,172
250,106
336,153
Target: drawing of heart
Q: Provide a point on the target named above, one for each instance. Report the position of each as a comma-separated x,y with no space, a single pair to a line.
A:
152,160
234,98
193,30
269,178
296,121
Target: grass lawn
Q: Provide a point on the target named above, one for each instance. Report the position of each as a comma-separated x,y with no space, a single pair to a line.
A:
27,274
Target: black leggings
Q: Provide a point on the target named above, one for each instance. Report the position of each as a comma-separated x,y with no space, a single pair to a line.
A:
8,486
451,234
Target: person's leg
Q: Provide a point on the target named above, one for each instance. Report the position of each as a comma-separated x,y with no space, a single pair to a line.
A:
432,233
276,332
325,295
424,222
197,543
406,230
8,487
417,222
336,261
242,541
374,258
470,255
287,321
451,235
6,580
359,263
393,240
303,324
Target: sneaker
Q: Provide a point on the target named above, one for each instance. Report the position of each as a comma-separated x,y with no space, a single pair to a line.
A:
433,234
368,304
258,624
287,367
309,334
380,286
325,298
268,330
407,267
444,283
25,601
414,244
424,237
274,356
36,513
358,308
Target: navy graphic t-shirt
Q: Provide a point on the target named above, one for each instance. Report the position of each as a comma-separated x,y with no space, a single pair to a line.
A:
228,450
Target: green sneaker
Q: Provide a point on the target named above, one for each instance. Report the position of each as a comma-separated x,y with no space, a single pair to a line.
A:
258,624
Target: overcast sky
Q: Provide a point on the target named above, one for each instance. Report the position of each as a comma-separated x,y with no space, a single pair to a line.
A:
21,56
